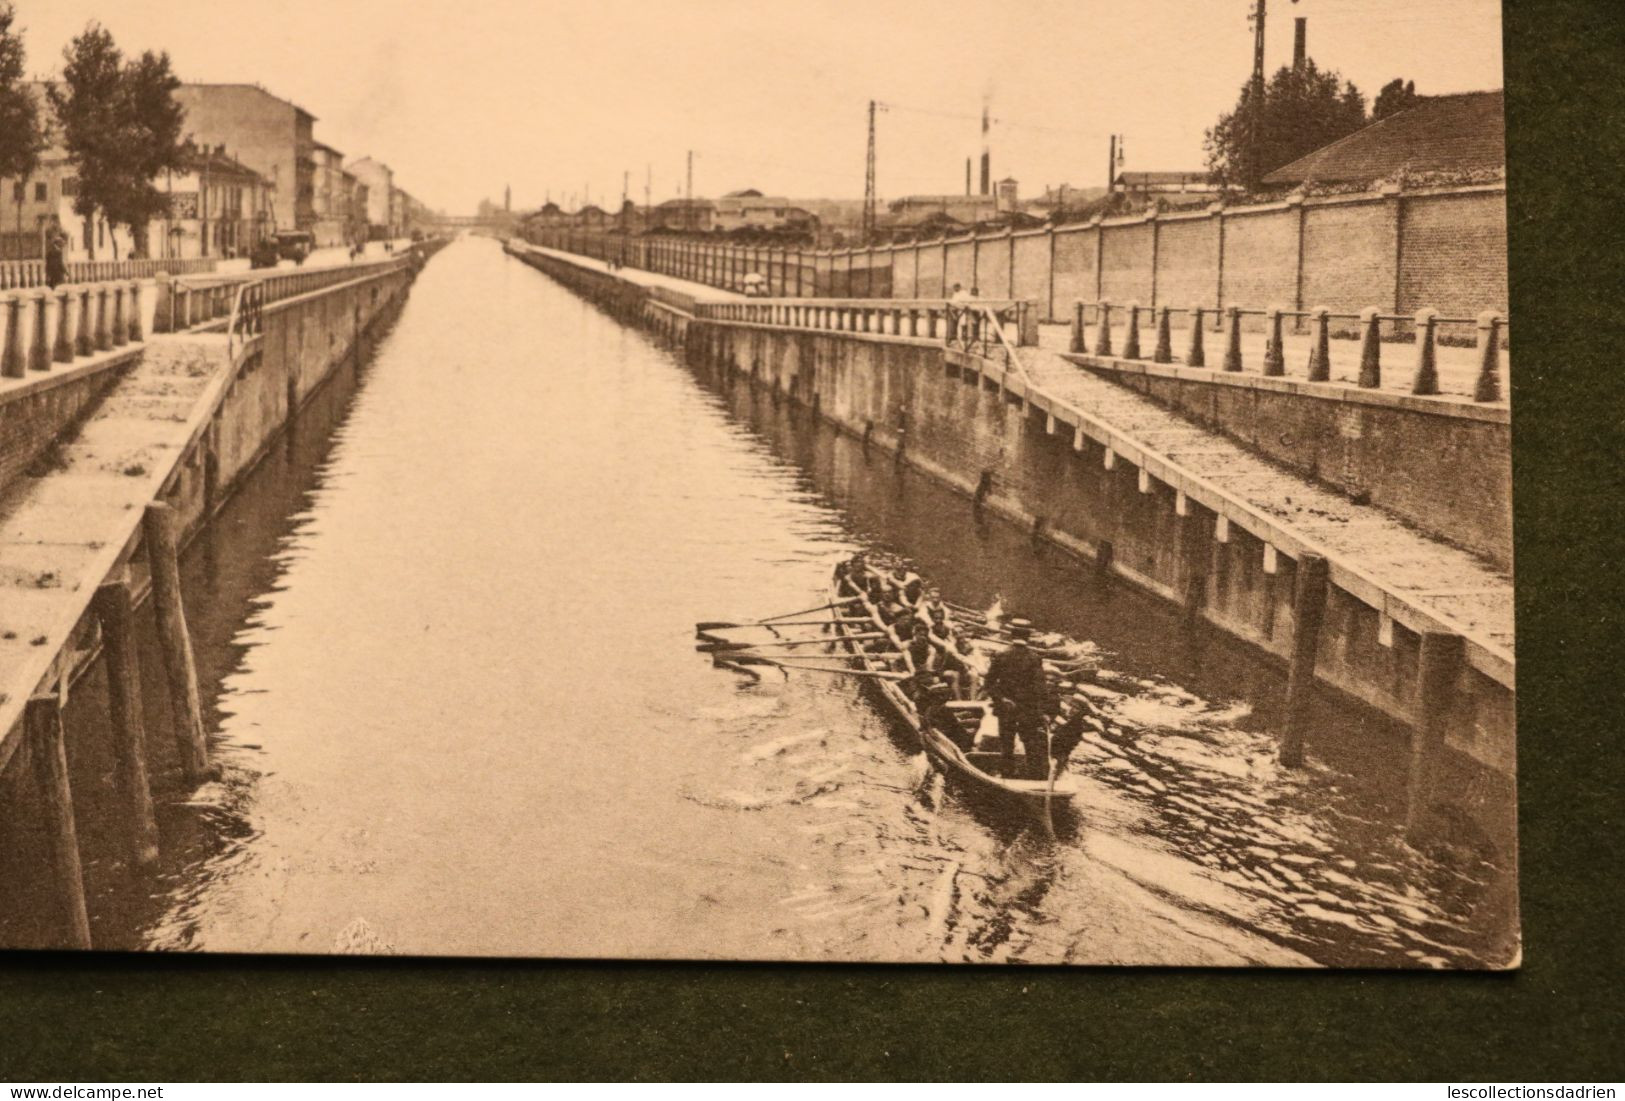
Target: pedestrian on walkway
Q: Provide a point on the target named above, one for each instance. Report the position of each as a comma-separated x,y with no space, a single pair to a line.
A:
56,263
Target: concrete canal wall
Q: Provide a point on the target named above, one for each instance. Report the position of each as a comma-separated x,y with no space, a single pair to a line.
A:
155,439
966,422
1442,465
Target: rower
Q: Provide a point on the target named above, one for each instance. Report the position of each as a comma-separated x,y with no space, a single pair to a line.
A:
1015,680
957,668
1077,714
937,713
923,660
910,589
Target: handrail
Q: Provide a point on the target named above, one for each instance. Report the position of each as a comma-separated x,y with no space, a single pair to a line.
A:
246,319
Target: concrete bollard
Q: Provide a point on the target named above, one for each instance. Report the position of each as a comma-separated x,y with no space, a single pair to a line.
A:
1489,362
1427,365
1077,345
39,332
84,340
119,332
1164,351
137,320
12,363
1370,349
162,289
1320,352
5,336
1131,339
1196,356
104,324
45,337
66,318
1103,339
1232,347
1274,354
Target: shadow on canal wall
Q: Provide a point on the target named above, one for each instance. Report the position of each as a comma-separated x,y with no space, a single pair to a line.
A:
942,413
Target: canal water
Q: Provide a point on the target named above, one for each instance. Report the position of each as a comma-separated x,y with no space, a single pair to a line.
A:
446,638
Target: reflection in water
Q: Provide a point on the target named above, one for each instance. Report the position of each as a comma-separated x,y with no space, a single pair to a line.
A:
449,649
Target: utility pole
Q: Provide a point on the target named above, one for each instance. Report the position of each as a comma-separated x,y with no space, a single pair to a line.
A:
689,221
1256,17
869,183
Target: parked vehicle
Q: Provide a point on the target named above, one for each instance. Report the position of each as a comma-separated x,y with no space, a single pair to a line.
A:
295,245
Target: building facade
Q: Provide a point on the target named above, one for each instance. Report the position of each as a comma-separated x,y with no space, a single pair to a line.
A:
331,200
265,133
217,207
378,181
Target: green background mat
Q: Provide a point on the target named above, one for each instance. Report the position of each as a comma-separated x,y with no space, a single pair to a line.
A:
136,1018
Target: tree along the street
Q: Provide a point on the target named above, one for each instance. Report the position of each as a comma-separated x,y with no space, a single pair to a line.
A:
122,127
1396,96
20,135
1299,111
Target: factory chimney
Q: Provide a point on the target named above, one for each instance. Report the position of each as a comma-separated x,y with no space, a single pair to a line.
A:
1300,42
987,157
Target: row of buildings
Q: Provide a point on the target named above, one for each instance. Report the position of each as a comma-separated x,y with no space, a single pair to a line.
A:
1448,138
254,169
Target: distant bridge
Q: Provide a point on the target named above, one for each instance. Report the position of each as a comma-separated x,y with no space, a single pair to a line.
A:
474,221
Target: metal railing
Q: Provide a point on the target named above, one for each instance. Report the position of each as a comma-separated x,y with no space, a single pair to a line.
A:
247,317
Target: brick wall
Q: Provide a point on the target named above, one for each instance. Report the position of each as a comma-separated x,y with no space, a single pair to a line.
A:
993,267
1349,255
1453,255
32,418
959,266
1188,262
1261,259
1031,273
1125,263
1074,267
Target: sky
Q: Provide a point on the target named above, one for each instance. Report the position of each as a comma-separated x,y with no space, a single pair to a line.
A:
559,98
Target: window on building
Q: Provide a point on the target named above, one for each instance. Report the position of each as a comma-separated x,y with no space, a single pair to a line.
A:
17,192
41,192
70,186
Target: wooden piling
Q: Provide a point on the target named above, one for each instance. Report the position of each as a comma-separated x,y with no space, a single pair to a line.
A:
1196,549
112,604
1438,666
48,757
1308,613
174,641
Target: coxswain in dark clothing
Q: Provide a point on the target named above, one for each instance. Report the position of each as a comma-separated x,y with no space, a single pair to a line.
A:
1015,681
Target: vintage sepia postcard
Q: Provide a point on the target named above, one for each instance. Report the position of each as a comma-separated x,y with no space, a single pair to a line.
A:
934,482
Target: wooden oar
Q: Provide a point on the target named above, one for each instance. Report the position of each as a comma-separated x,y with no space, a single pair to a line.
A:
746,659
794,623
721,624
720,647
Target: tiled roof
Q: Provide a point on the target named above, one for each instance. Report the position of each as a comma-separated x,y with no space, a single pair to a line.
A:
1454,133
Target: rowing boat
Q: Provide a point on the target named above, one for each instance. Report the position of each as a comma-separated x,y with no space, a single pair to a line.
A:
983,767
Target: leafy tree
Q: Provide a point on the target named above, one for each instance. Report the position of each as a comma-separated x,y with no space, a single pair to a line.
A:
1300,110
1396,96
122,127
21,137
